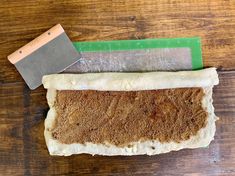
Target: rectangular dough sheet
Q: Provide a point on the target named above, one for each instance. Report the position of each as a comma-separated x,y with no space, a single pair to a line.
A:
205,79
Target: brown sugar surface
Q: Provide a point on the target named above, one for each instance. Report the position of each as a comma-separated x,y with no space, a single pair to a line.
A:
121,117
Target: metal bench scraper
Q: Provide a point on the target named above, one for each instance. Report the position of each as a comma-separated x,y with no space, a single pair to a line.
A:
52,52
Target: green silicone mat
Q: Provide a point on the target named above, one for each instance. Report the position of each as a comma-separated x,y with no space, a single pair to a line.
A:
194,44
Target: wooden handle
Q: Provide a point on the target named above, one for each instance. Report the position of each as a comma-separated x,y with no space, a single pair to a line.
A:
35,44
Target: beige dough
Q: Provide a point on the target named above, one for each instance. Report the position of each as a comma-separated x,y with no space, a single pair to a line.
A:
205,78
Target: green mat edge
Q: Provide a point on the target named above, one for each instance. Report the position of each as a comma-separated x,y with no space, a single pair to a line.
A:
193,43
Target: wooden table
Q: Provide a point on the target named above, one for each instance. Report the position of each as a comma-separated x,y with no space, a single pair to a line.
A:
22,111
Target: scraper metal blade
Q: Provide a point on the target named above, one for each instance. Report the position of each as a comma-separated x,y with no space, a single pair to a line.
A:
52,52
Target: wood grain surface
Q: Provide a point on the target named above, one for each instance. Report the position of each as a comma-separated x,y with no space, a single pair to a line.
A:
22,111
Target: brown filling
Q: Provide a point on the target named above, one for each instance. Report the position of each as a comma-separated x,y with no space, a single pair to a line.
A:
121,117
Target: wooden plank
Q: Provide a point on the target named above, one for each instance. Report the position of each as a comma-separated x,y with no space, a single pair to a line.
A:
104,20
11,151
25,151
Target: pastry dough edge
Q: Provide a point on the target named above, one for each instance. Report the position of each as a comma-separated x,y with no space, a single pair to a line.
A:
131,81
